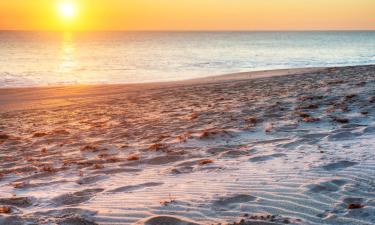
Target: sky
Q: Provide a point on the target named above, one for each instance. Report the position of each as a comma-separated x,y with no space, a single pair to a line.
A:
189,15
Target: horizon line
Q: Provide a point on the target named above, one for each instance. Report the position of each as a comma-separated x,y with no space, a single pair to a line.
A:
187,30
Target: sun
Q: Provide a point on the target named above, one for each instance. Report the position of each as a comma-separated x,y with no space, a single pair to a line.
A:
67,10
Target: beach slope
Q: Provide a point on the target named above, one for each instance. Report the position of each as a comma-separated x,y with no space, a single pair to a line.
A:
271,147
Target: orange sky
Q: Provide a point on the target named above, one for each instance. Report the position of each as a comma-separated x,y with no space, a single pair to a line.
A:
191,15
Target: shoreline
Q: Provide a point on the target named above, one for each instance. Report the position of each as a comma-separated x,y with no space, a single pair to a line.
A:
25,94
205,79
201,80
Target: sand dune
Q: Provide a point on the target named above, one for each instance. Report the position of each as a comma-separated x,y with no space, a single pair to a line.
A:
251,148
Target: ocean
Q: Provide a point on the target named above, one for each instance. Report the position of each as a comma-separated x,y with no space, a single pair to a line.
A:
60,58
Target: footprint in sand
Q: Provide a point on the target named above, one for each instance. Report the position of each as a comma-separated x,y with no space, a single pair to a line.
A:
369,130
216,150
156,161
35,176
131,188
231,200
345,135
233,154
67,216
327,186
263,158
181,170
26,185
117,170
14,220
339,165
66,212
75,220
91,179
161,160
76,197
22,202
255,223
160,220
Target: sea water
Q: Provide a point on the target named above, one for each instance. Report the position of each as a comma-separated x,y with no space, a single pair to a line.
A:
60,58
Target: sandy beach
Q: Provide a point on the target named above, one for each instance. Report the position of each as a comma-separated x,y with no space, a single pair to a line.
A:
292,146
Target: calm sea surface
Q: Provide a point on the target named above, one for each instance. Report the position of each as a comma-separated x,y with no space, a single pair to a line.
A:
55,58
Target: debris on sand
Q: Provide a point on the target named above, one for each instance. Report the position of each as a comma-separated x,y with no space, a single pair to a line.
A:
350,96
340,120
268,127
98,166
205,162
4,137
193,116
133,157
48,168
168,202
156,146
303,115
311,119
251,119
183,137
208,133
89,148
39,134
60,132
113,159
5,210
355,206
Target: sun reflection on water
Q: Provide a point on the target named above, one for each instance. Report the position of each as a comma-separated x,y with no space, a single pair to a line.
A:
68,61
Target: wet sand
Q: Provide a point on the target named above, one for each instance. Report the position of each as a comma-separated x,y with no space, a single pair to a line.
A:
272,147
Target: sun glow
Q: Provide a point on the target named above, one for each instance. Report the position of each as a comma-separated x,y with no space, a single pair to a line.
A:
187,15
67,10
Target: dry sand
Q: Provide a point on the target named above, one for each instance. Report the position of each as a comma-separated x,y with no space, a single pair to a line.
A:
272,147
